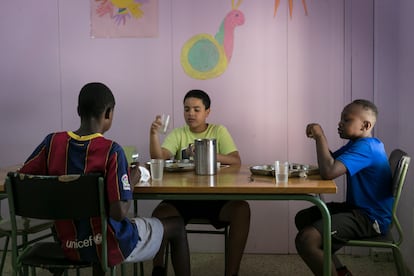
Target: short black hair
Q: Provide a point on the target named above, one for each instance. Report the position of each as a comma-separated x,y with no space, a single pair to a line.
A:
199,94
367,105
94,99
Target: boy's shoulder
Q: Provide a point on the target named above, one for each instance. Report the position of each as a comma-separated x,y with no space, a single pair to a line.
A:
216,126
367,140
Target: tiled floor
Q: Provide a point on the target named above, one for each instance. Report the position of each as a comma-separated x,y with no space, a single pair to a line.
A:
264,265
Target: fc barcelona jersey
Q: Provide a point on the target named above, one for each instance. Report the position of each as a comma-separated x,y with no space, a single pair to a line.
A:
67,153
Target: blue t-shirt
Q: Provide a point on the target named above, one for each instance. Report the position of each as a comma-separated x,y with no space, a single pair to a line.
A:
369,180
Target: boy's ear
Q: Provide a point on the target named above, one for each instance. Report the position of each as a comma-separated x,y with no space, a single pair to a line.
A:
367,125
107,113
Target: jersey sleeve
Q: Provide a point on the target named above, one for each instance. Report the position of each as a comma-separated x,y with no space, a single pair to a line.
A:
37,161
117,175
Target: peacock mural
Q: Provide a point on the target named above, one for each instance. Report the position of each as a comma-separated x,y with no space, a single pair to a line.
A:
204,56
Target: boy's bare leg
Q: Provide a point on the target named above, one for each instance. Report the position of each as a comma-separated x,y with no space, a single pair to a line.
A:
309,246
175,234
237,214
336,261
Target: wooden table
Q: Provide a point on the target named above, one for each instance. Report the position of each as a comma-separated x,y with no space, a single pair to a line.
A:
236,182
231,183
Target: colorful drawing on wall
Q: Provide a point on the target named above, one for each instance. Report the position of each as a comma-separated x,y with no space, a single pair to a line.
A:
124,18
277,3
204,56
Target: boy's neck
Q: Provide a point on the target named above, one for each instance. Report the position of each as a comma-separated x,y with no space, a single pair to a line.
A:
360,137
200,129
89,127
84,131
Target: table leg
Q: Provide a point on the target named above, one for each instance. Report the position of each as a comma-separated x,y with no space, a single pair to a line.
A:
327,240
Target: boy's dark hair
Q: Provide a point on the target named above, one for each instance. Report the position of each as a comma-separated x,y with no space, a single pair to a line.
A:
199,94
367,105
94,99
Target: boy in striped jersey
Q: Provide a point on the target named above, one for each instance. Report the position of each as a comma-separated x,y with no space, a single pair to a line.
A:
86,150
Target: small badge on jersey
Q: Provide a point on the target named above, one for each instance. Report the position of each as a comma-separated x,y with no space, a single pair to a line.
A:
125,182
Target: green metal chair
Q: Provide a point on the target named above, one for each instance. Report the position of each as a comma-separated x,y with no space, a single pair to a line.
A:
192,228
54,198
222,231
399,162
27,229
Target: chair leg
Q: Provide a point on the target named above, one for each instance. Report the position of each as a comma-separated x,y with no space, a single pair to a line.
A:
113,271
399,263
3,258
226,248
141,268
25,240
123,269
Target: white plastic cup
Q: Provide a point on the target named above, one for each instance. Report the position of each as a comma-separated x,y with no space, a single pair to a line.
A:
165,121
157,169
281,171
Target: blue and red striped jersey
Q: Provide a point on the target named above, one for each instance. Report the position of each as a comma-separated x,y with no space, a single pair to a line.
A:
67,153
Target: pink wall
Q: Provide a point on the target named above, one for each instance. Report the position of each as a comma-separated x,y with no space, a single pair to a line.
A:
405,84
283,74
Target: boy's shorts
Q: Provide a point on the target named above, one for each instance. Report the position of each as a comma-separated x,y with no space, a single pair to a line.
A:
200,209
150,231
346,223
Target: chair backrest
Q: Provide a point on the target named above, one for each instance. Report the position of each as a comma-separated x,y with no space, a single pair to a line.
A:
399,162
58,198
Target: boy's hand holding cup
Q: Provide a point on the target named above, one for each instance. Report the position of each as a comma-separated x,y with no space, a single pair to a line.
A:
160,124
165,121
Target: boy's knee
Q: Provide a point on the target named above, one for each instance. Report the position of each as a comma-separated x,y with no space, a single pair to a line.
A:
173,226
244,208
236,211
301,241
165,210
241,207
307,238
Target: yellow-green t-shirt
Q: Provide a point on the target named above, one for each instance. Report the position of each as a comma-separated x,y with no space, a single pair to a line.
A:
178,140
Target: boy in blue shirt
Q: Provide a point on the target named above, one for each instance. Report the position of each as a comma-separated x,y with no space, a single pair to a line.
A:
368,206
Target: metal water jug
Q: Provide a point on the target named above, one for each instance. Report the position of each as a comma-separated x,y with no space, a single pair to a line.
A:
205,158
